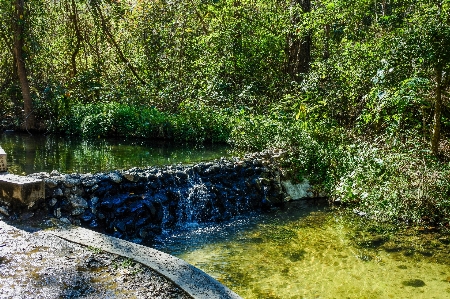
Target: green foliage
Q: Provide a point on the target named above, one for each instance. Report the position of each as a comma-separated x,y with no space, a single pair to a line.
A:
70,122
398,109
97,125
387,179
255,132
216,71
112,119
200,123
196,123
401,182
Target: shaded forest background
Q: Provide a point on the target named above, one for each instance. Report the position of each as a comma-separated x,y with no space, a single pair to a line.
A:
356,91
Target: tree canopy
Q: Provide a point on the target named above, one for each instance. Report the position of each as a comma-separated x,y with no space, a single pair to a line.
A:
380,66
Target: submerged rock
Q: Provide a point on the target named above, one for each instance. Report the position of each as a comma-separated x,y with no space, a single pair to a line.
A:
416,283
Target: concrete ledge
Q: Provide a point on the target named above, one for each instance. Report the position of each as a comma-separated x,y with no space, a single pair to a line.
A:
3,163
195,282
20,191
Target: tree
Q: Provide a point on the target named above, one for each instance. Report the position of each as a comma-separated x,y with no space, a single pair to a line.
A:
428,36
97,9
298,42
19,36
74,18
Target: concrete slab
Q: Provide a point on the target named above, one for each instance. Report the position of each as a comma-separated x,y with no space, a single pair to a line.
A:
297,191
192,280
20,191
35,264
3,163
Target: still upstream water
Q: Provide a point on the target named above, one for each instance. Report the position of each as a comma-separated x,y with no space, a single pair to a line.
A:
301,251
308,251
29,154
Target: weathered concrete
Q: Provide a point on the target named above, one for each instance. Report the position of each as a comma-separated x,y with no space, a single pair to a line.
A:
192,280
297,191
19,191
3,163
36,264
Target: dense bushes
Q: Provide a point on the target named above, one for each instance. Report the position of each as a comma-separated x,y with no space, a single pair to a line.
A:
196,122
193,123
385,178
389,181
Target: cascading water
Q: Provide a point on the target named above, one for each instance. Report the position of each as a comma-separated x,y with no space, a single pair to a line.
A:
193,204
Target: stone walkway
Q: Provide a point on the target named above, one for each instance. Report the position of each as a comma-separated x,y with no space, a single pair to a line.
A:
36,263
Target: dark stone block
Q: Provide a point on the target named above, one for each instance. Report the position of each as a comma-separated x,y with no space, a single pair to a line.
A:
107,204
103,190
121,210
93,224
150,207
136,206
121,226
119,200
141,221
87,216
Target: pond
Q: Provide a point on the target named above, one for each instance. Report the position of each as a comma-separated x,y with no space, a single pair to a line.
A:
29,154
308,251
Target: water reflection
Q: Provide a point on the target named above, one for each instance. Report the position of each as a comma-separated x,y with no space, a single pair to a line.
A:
28,154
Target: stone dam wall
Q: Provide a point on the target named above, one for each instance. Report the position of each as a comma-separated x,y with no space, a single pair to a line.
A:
137,204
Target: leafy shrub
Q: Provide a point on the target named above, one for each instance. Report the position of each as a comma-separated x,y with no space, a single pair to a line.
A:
258,132
125,120
96,125
70,122
196,122
153,124
396,109
394,183
386,179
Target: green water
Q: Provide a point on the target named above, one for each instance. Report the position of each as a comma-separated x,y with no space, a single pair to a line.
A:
311,252
29,154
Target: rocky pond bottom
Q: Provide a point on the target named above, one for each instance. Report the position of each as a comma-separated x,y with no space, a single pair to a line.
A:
307,251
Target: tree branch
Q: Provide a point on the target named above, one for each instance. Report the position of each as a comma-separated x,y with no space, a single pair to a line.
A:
116,46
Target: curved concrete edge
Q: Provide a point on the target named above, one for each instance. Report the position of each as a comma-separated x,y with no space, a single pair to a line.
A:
192,280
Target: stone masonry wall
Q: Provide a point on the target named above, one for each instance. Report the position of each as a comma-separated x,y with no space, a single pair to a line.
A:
137,204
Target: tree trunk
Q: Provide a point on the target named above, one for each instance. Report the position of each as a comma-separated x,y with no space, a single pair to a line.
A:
299,47
237,43
78,37
436,136
326,47
29,120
